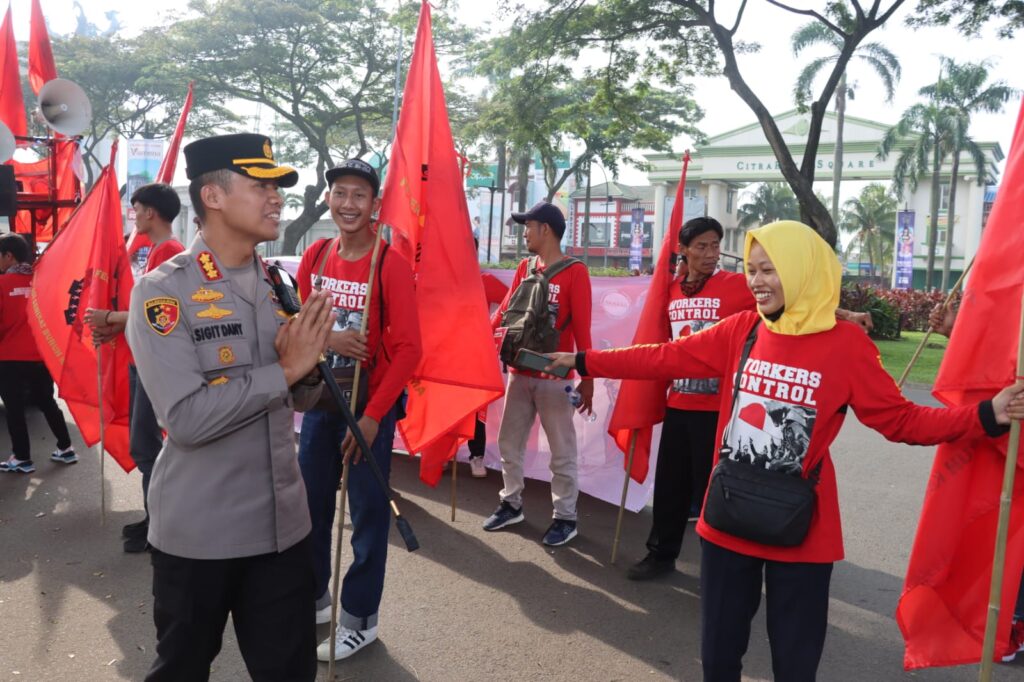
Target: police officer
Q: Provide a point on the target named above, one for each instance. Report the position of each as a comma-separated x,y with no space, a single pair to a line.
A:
225,369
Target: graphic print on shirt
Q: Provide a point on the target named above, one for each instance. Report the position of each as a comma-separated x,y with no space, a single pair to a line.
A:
773,417
348,299
553,304
688,316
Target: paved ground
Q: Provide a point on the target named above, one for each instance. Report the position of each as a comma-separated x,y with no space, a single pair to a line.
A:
468,605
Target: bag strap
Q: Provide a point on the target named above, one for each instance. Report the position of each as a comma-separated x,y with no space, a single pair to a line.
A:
555,268
323,263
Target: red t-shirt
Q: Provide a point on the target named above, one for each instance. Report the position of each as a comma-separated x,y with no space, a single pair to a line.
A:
792,401
568,294
394,342
494,289
16,341
723,294
163,251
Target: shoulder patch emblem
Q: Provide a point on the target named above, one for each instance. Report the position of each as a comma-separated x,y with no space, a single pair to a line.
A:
227,356
218,381
162,314
213,313
204,295
208,266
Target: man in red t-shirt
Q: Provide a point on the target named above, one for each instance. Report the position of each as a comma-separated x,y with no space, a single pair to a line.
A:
390,350
530,393
22,371
156,206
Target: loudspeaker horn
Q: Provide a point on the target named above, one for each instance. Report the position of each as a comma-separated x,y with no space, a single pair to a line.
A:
65,107
7,143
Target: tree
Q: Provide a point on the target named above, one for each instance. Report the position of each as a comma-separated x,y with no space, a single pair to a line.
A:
324,68
970,15
771,201
693,33
871,219
875,55
129,96
924,137
963,87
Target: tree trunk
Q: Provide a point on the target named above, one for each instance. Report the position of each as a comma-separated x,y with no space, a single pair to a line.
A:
523,179
933,222
586,219
311,213
837,167
950,220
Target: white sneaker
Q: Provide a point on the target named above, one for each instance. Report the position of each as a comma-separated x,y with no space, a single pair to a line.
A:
323,615
346,643
477,468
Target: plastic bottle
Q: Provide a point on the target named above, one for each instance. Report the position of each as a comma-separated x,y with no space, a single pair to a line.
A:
576,399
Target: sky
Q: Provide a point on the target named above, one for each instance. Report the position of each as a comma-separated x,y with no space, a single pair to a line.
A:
771,72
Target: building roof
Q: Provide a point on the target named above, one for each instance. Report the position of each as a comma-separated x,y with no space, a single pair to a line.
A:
616,190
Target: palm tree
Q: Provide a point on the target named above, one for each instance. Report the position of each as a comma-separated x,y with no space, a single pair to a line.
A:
924,135
871,219
963,88
876,55
772,201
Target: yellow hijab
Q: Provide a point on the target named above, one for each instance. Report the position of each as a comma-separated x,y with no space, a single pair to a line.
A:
810,275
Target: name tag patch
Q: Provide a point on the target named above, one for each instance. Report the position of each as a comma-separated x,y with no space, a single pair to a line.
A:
210,332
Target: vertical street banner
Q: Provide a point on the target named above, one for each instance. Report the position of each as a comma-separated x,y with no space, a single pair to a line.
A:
903,273
144,158
636,244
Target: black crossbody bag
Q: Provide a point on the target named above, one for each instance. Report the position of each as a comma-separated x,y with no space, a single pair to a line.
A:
767,507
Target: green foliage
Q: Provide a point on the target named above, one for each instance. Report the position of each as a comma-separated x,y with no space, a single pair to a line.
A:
884,315
594,271
970,15
771,201
871,219
896,354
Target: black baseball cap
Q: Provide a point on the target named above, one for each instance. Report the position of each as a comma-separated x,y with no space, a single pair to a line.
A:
247,154
544,212
356,167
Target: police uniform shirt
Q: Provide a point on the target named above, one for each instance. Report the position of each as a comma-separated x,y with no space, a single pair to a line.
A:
226,483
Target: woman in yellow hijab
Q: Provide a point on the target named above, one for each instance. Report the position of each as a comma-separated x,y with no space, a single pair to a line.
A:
789,373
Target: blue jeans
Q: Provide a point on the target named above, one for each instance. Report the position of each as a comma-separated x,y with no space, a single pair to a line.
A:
320,462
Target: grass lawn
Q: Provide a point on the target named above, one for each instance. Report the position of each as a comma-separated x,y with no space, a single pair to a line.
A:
896,355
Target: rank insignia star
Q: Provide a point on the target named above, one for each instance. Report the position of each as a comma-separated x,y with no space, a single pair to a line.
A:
208,266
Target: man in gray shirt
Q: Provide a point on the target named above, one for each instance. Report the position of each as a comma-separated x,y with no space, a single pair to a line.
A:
224,368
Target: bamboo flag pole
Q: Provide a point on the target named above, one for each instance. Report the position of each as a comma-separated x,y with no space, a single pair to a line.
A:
928,333
336,576
999,556
625,489
99,403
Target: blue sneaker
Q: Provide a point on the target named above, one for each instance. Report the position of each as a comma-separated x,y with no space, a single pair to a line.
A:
560,532
504,515
64,456
13,465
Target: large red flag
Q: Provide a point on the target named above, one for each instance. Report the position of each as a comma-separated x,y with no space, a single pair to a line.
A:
86,267
12,104
425,203
166,173
945,596
41,68
641,404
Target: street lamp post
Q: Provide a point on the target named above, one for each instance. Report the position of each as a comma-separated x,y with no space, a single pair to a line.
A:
490,222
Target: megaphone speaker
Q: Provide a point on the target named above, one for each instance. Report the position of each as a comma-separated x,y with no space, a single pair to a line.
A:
65,107
8,191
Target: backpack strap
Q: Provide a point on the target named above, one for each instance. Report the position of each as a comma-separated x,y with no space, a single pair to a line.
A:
323,263
555,268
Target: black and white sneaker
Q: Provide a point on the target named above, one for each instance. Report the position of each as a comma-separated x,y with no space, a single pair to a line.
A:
346,643
559,533
66,456
504,515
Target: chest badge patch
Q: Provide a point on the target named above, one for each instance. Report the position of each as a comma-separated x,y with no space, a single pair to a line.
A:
213,313
204,295
162,314
227,356
219,381
208,266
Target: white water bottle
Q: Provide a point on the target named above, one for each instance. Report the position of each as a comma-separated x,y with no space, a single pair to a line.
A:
576,399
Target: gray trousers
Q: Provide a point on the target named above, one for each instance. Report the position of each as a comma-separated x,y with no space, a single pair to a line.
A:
525,398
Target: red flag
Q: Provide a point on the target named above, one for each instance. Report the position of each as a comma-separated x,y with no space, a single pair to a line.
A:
425,204
87,267
41,68
166,173
641,404
12,104
943,608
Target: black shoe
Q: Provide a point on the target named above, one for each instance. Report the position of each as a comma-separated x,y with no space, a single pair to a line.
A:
136,545
650,567
137,529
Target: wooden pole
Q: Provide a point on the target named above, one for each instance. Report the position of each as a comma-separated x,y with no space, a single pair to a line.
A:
928,333
625,489
455,475
99,403
999,556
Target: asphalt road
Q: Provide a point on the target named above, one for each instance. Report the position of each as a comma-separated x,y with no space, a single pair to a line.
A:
469,605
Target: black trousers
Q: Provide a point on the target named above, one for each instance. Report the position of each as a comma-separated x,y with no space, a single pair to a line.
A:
145,437
479,441
684,465
796,597
29,382
270,598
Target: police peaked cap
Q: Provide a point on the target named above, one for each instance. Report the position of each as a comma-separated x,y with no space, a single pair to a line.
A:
247,154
